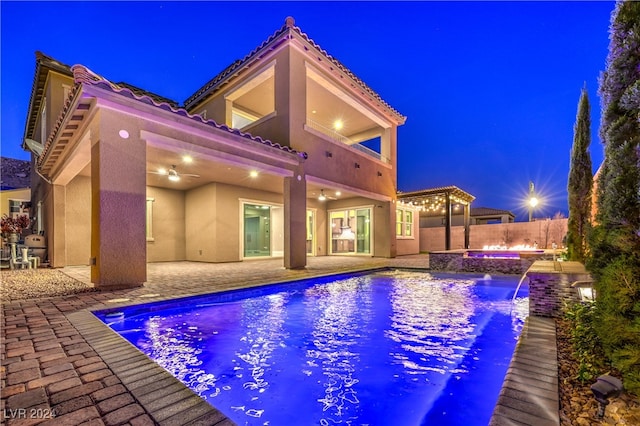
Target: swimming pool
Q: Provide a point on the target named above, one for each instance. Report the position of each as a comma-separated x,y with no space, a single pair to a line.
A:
390,347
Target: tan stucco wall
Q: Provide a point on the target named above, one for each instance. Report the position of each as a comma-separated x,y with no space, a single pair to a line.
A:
214,221
341,166
54,95
286,127
410,245
544,232
201,224
78,221
168,225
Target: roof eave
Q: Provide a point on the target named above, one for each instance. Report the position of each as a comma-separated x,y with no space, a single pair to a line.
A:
44,64
274,41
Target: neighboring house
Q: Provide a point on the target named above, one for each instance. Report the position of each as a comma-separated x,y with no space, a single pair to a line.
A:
285,153
15,183
478,216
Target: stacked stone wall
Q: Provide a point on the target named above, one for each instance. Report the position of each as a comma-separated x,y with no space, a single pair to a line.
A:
549,292
455,261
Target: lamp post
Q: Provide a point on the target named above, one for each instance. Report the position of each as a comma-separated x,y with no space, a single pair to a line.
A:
533,200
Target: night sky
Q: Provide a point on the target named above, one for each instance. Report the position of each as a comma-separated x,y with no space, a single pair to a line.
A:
490,89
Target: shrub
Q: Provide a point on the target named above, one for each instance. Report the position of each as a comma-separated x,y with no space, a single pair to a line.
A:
586,343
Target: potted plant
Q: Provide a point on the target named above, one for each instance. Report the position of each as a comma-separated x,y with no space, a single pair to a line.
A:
12,227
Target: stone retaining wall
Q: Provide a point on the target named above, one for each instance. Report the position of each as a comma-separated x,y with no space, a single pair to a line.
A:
549,281
550,286
455,261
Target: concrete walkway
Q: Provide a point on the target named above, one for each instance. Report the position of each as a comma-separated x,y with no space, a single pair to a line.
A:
60,365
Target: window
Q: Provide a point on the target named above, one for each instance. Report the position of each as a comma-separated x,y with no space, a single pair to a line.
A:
149,219
404,223
16,208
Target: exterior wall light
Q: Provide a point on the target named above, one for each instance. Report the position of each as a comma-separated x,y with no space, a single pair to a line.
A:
585,290
605,388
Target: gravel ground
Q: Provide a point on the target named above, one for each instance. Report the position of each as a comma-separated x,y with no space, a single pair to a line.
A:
34,283
577,404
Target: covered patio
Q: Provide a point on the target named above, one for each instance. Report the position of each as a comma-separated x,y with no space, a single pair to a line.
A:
443,200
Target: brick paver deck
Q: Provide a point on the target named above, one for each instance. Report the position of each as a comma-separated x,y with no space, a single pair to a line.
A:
60,365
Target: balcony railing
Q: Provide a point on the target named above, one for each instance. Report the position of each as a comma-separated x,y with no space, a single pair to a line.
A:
331,133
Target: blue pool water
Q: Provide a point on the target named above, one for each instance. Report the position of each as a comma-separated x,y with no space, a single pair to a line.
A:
385,348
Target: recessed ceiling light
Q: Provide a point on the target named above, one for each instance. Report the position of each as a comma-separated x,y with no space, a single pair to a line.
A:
187,158
338,193
338,124
253,174
124,134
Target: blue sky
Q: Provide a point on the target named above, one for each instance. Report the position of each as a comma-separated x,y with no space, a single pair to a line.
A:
490,89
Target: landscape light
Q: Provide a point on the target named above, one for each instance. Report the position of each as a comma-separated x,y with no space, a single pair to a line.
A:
585,290
605,388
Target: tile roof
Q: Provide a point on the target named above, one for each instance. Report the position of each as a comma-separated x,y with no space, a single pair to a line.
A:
84,76
433,192
44,64
15,174
272,42
488,211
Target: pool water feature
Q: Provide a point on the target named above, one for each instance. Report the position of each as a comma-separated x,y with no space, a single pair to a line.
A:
390,347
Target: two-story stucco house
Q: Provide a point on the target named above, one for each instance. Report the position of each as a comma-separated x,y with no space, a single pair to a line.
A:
285,153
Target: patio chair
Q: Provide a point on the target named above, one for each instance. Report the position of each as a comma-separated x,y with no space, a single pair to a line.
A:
16,261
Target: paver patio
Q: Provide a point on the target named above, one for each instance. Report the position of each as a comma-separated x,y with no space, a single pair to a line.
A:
60,365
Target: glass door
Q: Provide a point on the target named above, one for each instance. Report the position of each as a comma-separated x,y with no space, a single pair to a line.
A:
350,231
363,231
257,230
311,233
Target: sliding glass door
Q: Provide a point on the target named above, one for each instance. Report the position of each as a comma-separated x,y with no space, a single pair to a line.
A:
350,231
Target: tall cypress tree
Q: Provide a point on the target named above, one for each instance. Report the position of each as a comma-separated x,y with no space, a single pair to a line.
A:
615,243
580,182
619,200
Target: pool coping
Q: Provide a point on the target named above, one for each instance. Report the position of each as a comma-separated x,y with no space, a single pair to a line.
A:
529,392
167,400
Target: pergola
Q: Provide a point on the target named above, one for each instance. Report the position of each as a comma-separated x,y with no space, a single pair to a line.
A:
441,200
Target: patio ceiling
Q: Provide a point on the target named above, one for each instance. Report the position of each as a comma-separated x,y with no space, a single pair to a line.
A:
221,172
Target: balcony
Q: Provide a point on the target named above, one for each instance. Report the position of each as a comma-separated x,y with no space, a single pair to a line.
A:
334,135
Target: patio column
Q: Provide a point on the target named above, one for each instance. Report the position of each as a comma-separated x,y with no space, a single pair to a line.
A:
118,203
295,221
467,218
447,222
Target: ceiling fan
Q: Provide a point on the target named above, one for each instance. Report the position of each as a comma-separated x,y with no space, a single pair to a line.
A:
323,196
173,174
